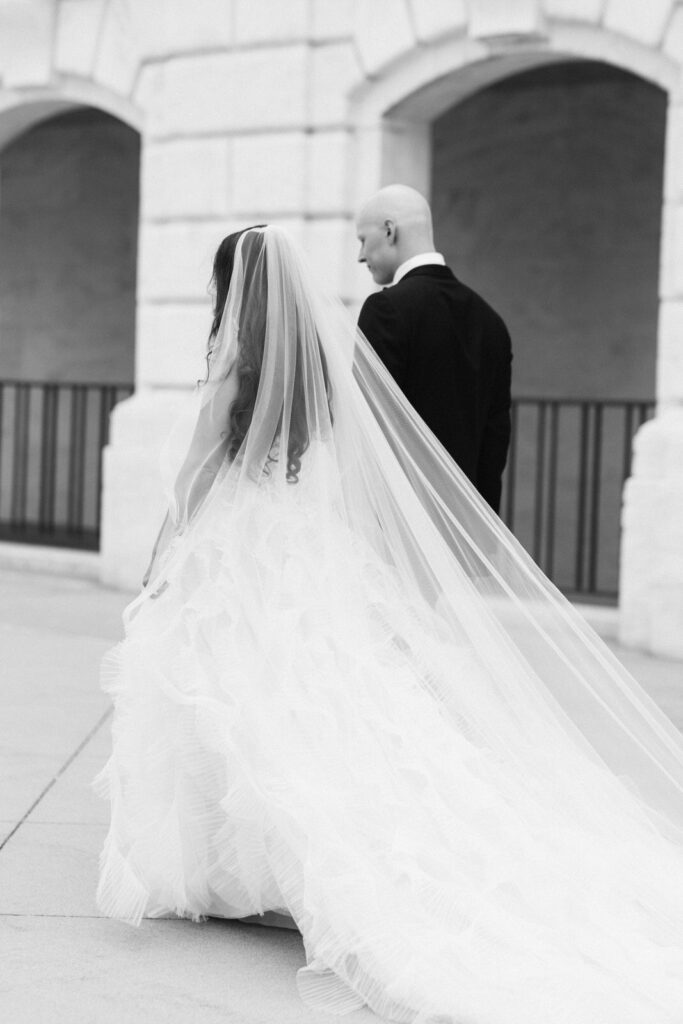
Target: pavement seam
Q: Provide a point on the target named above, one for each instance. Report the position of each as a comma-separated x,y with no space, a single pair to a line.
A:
63,917
60,630
69,761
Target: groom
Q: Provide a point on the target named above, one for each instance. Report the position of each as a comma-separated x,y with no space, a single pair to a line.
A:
445,347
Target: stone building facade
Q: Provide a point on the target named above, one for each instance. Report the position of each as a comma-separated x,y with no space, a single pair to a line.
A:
293,112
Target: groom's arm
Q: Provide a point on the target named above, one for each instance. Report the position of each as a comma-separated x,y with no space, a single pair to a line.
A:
381,325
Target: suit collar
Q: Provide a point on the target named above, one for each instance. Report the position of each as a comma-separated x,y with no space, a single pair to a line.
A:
421,259
429,270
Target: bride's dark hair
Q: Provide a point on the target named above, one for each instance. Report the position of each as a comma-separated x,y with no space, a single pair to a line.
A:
251,336
223,264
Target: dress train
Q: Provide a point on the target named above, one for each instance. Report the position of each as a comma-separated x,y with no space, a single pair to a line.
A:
292,735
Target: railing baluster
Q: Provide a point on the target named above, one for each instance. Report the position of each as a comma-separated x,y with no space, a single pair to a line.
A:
594,521
20,454
71,493
48,461
101,441
540,481
549,560
76,459
581,497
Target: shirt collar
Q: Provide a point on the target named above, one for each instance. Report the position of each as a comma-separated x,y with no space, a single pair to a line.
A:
423,259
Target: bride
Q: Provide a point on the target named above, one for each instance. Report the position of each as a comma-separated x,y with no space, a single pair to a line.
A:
346,694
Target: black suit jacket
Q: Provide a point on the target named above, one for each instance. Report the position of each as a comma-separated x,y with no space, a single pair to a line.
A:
450,354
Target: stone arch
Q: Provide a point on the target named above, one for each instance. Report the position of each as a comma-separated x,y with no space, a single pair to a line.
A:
391,113
21,109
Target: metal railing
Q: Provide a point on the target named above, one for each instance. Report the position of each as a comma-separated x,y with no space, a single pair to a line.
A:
51,441
562,488
562,492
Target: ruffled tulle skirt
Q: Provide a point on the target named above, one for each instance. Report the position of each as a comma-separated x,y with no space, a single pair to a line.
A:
292,734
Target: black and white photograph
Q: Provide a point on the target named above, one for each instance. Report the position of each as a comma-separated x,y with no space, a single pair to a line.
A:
341,511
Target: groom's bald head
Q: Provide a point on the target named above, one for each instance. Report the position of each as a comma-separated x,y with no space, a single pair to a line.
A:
392,226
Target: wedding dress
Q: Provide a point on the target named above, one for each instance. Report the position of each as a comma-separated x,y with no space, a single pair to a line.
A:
347,695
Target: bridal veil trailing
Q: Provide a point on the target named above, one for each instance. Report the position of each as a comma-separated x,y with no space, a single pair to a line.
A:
347,694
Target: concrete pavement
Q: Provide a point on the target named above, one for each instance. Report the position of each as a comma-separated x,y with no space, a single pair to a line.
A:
60,961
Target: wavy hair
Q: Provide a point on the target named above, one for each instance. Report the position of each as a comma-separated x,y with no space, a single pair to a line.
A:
251,341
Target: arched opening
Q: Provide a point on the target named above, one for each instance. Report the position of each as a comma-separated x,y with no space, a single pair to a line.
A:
69,197
547,196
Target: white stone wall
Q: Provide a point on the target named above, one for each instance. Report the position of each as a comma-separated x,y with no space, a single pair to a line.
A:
293,112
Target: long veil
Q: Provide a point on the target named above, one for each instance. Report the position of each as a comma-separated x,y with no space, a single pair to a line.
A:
327,424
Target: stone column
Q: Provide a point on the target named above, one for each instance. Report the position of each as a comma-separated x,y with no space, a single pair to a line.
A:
184,204
651,588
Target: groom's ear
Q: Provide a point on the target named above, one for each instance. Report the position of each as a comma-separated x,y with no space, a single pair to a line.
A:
390,231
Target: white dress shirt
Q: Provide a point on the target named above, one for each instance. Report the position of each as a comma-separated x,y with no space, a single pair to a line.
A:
423,259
